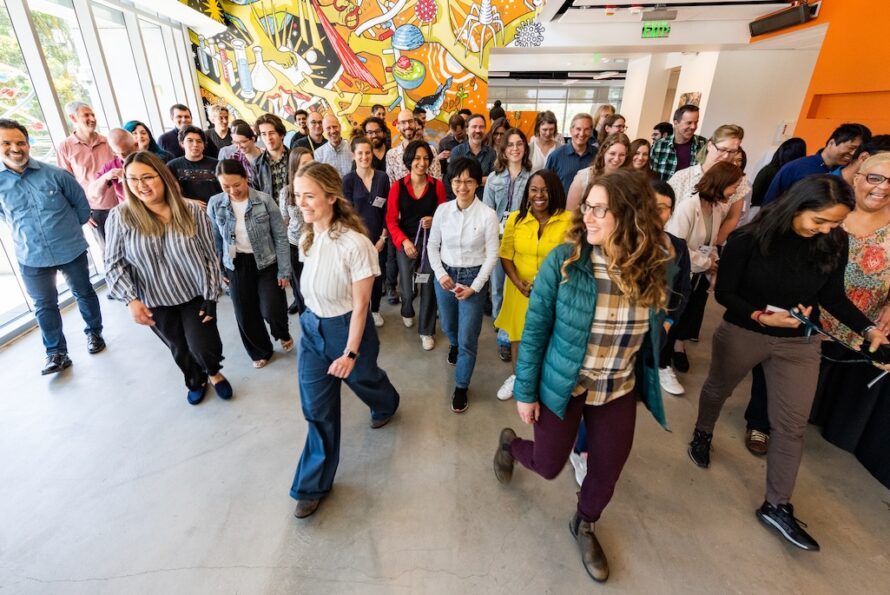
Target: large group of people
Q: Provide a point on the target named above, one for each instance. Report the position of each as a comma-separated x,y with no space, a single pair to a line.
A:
594,255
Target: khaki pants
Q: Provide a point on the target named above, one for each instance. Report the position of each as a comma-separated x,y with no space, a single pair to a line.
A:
791,367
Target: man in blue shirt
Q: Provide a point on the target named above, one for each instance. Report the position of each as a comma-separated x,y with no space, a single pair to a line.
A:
474,148
877,144
838,152
46,209
570,158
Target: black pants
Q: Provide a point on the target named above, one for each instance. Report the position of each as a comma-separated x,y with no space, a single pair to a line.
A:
391,274
756,414
257,298
689,325
667,348
195,345
296,268
427,323
99,216
377,288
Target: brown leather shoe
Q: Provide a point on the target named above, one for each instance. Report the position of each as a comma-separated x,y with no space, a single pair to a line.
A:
592,555
503,460
757,442
305,508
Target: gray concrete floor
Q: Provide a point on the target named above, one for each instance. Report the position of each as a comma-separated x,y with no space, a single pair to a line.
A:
111,483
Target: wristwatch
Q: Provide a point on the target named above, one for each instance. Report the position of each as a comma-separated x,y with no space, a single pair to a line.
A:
350,354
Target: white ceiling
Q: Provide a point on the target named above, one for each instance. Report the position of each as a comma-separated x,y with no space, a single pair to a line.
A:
593,11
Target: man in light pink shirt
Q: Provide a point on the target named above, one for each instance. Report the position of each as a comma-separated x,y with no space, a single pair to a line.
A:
83,154
112,173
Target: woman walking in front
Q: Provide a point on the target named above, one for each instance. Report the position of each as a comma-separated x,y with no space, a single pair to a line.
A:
160,260
793,255
589,348
339,341
252,243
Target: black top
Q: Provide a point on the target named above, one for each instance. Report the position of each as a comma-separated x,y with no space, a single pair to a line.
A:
296,138
412,210
761,183
218,141
197,179
307,142
363,201
682,285
748,281
169,141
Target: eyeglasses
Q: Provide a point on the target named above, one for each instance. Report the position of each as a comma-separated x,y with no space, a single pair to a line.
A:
599,211
876,179
518,145
464,183
724,151
136,182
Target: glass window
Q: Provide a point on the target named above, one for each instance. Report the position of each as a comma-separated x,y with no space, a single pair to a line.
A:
59,34
118,53
18,100
551,93
159,64
12,293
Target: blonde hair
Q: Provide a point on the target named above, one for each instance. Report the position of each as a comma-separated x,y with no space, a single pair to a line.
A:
721,134
136,215
331,184
636,256
599,112
876,159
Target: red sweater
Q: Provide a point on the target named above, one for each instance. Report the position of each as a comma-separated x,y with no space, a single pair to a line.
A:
393,214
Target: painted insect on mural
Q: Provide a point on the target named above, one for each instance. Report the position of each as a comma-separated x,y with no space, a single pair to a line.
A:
486,17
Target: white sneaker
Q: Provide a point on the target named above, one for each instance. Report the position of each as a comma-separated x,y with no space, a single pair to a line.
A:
428,342
378,319
669,381
408,322
580,465
505,393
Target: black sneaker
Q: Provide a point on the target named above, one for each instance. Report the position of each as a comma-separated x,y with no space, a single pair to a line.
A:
681,362
459,402
505,353
781,518
452,355
95,343
56,362
700,448
393,296
503,460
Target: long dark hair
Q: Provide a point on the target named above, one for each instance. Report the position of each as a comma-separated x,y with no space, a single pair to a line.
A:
556,194
813,193
791,149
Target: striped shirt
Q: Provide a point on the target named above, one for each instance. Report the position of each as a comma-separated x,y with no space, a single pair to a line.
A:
165,270
616,336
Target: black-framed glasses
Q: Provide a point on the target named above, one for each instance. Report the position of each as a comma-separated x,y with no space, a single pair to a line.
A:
599,211
725,151
876,179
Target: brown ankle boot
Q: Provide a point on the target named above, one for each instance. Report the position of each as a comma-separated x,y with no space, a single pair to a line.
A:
592,555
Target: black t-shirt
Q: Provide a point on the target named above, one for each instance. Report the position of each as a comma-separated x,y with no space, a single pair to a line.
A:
197,179
218,141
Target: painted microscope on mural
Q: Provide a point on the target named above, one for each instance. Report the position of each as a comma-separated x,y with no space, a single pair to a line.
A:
344,56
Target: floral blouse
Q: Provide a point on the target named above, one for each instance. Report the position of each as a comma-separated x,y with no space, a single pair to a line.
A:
867,280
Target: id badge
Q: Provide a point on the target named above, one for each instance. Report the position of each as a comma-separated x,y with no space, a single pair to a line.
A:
705,250
421,278
379,202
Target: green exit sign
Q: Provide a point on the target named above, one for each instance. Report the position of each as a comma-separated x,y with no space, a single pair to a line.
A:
656,29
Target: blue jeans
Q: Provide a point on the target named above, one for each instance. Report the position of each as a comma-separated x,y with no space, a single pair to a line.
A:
40,283
498,278
323,341
461,321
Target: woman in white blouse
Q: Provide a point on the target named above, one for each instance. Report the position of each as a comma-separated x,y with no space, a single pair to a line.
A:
463,249
546,139
339,341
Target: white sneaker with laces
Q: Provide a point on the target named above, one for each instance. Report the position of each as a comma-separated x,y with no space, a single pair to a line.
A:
378,319
580,465
408,322
505,393
428,342
669,381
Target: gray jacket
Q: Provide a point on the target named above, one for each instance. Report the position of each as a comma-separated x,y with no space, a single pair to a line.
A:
265,229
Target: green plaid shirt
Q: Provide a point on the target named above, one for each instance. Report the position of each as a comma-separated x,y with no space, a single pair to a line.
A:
663,158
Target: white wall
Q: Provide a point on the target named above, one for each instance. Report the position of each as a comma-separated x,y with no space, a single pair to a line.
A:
758,90
644,91
697,72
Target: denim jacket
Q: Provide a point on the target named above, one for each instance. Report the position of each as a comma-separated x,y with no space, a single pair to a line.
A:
265,229
497,186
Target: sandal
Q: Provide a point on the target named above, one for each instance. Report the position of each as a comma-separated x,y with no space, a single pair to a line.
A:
260,363
287,345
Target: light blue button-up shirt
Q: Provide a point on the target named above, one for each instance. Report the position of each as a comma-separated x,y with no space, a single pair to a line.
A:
46,208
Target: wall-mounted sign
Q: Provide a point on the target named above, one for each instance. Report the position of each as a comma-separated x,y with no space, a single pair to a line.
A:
656,29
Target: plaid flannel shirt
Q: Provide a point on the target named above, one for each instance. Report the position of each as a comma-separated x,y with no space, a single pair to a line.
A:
664,156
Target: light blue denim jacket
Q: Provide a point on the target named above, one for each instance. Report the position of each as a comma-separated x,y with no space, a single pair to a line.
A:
265,229
497,187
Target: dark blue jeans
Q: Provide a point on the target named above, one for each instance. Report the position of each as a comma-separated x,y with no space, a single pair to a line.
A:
40,283
323,341
461,321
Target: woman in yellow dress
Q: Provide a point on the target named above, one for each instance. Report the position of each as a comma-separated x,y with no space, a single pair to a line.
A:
530,234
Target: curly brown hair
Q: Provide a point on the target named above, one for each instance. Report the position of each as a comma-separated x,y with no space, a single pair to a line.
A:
331,184
636,253
716,180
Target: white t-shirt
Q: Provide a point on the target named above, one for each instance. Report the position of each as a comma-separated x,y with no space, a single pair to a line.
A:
332,266
242,240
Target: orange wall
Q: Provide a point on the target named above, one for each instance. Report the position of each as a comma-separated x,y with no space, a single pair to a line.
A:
851,80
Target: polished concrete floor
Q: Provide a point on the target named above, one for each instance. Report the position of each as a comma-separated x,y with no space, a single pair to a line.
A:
111,483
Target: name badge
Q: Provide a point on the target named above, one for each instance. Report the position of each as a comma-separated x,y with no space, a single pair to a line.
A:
705,250
379,202
421,278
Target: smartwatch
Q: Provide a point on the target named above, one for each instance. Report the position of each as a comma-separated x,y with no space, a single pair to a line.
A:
350,354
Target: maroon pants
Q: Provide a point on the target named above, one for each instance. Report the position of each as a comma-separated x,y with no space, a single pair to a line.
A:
610,434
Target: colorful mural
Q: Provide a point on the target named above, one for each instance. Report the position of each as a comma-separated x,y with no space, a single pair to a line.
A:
344,56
